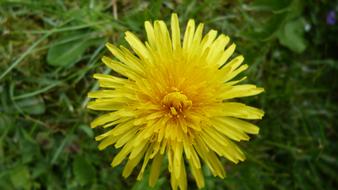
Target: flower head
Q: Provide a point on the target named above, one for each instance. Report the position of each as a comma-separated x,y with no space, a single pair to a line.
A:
174,101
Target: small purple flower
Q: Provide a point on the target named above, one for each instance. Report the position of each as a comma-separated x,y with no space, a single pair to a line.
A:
331,18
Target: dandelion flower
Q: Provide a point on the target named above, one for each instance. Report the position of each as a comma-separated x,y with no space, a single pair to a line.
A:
173,100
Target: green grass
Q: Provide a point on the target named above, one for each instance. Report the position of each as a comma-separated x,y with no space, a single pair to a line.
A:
50,49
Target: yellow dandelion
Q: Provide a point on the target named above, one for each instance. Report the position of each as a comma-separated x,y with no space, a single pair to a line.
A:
174,101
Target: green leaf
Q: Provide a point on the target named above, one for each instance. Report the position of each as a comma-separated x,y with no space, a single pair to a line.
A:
281,12
2,152
292,35
70,50
5,123
60,147
32,105
86,129
269,29
154,9
66,54
41,168
143,184
83,170
20,177
270,5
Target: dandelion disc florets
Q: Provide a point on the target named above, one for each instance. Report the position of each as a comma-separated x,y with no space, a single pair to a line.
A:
173,102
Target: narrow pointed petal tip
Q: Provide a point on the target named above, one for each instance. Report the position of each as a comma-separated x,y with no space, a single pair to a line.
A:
109,45
153,113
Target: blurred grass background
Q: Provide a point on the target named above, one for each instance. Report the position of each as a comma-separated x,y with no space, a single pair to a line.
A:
50,49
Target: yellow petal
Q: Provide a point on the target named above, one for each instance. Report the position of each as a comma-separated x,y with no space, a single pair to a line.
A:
232,83
102,94
104,135
164,45
126,57
132,61
137,45
227,130
208,39
154,149
107,104
226,55
216,135
178,148
197,173
240,125
123,128
243,90
121,68
144,165
128,169
210,157
212,144
175,32
109,81
122,154
114,94
126,137
150,34
238,110
155,169
216,164
216,49
235,62
163,146
173,182
197,40
235,73
189,35
109,117
138,147
182,180
107,141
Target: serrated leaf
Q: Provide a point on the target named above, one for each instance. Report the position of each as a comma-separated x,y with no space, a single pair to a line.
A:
83,170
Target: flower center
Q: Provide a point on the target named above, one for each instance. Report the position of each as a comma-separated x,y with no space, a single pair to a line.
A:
176,103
